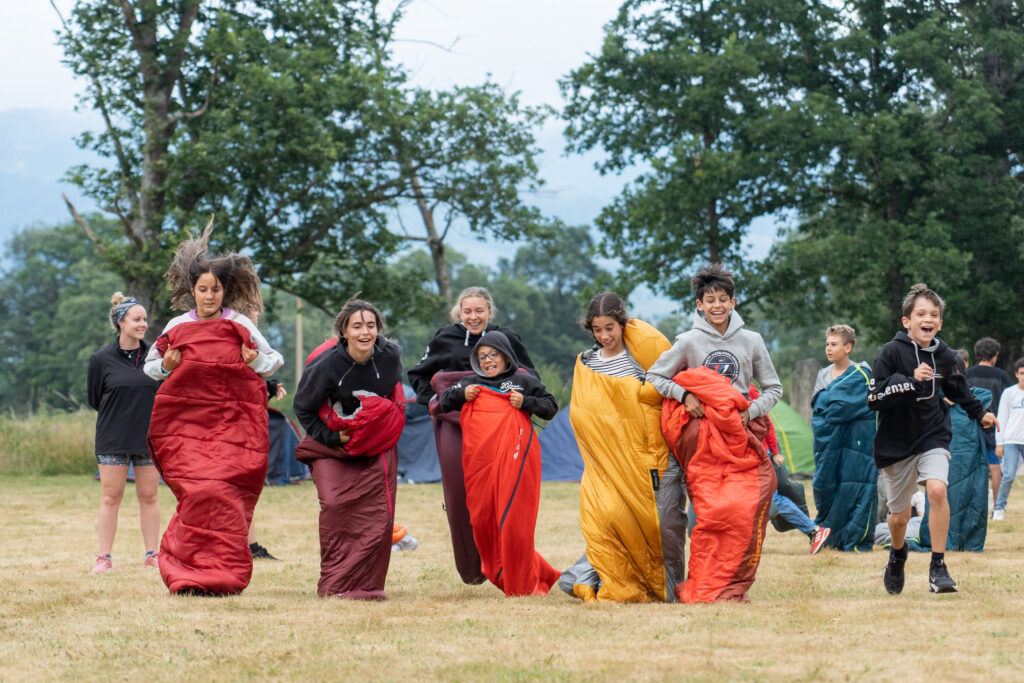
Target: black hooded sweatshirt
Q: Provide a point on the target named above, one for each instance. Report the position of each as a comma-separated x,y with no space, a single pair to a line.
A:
912,417
449,350
536,398
335,375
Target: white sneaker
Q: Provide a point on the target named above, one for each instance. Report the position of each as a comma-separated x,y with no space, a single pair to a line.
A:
997,515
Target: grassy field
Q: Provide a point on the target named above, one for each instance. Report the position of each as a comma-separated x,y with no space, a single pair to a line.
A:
824,617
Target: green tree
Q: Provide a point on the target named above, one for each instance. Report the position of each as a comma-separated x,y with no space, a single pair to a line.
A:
54,301
706,96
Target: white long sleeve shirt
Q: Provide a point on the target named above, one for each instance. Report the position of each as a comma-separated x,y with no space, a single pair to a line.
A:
267,360
1011,416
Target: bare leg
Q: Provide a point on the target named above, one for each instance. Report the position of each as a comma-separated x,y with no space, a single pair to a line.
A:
995,473
112,479
147,485
938,516
898,526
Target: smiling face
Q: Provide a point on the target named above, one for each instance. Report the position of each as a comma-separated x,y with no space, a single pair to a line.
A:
133,326
475,314
835,349
361,334
716,304
607,332
492,361
924,322
209,295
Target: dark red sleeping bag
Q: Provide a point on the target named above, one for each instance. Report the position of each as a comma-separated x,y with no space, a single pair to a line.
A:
448,436
502,463
356,486
730,479
208,436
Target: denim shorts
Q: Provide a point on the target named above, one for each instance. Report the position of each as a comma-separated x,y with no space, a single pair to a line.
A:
138,459
992,459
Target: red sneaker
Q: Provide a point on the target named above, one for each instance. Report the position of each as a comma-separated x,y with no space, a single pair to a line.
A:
820,534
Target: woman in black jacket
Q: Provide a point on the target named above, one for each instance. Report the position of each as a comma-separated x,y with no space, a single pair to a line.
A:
123,396
444,363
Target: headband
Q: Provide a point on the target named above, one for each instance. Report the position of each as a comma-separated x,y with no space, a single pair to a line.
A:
122,309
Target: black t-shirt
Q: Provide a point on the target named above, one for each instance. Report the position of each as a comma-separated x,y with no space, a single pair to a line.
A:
123,396
995,380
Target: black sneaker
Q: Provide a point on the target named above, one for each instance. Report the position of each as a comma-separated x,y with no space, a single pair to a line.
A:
939,580
893,576
259,552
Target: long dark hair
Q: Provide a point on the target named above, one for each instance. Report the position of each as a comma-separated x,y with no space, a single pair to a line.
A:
236,274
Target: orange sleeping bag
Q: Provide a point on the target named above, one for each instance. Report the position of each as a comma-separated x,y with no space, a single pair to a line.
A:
502,466
730,480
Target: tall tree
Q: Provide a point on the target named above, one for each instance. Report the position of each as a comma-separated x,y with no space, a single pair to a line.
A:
705,96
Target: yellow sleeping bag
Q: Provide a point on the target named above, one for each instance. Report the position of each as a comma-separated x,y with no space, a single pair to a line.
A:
617,421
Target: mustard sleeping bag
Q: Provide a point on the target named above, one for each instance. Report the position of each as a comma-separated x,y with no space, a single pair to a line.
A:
617,426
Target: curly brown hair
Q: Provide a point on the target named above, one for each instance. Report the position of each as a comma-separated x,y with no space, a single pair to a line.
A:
236,274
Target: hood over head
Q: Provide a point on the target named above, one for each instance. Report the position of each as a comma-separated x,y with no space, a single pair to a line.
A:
498,341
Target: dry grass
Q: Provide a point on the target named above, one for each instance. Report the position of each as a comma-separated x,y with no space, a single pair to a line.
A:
59,443
825,617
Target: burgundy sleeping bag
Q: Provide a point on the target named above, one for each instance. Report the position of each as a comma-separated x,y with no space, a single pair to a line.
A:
356,486
448,436
208,437
501,458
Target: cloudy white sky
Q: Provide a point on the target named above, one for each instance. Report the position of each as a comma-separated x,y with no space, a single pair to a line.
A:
525,46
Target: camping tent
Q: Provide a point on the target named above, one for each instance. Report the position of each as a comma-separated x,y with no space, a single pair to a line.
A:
796,440
417,451
560,455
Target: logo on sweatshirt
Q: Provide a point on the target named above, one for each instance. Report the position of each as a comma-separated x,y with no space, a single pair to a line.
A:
508,386
724,363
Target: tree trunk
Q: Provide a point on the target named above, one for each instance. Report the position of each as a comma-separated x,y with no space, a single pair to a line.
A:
434,241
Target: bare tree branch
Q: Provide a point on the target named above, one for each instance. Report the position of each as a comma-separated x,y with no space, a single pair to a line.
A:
84,224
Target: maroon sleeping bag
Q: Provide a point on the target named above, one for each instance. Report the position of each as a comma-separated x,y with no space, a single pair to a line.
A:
448,436
208,437
356,486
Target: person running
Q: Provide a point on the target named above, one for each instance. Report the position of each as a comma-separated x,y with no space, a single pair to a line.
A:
501,458
632,501
122,396
445,362
351,403
208,432
908,380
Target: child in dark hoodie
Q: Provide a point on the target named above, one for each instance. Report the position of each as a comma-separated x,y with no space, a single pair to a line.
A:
910,376
501,460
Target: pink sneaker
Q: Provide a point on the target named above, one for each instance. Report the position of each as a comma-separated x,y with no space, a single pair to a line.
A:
103,564
152,560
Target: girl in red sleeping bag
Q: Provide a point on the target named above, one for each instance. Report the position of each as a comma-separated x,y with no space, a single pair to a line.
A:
502,465
208,429
351,403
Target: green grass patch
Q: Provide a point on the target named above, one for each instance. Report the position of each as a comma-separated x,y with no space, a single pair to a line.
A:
48,444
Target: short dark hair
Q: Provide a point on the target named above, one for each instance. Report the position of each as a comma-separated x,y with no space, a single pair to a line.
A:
922,290
1018,365
986,349
607,304
351,307
713,277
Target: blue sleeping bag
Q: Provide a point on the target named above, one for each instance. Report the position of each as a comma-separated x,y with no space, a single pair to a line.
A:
968,484
845,476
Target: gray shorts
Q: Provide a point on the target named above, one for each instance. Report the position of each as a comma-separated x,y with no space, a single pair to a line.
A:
138,459
901,479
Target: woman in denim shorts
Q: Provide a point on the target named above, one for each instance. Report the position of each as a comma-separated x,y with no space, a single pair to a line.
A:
123,396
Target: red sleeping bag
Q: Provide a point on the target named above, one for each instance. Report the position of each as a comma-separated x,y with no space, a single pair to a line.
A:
501,460
208,436
448,436
730,480
356,486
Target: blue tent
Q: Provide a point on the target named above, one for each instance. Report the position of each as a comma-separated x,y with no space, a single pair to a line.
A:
560,455
417,451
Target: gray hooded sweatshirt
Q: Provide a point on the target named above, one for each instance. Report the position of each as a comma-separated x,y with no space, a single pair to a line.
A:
739,354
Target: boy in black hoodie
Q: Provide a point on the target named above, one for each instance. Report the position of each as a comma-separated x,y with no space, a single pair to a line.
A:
496,366
910,376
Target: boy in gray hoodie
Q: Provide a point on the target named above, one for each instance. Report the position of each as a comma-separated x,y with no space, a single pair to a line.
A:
719,341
